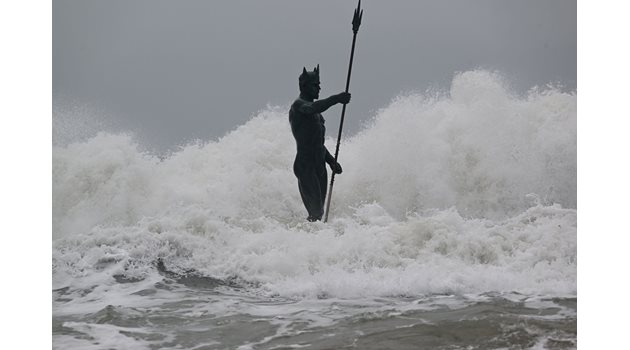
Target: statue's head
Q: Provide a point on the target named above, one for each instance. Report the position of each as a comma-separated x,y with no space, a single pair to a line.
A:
309,83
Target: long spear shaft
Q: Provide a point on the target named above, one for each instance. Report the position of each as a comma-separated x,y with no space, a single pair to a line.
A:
356,22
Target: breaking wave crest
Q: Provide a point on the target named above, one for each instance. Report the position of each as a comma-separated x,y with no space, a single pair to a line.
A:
468,191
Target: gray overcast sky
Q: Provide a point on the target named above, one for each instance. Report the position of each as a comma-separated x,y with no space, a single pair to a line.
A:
172,71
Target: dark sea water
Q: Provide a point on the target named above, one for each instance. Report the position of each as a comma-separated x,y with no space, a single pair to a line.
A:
181,317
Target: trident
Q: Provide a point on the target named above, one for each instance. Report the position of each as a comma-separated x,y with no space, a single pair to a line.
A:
356,22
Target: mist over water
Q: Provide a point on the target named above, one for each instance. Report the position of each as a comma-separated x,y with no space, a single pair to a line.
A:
469,191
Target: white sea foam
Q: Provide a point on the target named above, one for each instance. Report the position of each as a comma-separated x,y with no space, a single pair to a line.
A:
462,192
104,336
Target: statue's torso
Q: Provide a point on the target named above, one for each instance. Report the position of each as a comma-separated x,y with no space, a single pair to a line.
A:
309,131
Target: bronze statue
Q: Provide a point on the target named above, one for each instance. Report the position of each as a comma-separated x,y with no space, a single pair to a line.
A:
307,126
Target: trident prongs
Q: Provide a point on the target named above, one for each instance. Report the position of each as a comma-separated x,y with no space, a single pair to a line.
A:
356,20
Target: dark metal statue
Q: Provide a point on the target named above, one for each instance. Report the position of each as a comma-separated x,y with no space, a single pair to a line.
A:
307,125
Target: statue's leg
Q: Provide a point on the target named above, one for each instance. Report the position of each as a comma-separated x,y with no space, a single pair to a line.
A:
308,184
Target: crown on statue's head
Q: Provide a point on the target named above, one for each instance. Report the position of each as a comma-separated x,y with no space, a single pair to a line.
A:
309,77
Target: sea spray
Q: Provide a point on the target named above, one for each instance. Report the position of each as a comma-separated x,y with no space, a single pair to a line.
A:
468,191
479,148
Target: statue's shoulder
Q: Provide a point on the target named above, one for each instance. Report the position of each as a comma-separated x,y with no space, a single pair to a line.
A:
298,104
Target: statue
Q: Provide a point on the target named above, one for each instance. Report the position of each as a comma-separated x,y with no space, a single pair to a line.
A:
307,126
